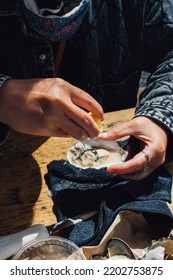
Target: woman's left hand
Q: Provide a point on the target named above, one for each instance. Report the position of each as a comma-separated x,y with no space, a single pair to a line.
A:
152,153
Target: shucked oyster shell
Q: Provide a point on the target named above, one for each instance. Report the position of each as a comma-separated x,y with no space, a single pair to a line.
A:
161,249
116,249
96,153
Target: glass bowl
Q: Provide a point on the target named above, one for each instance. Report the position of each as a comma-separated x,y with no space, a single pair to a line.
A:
51,248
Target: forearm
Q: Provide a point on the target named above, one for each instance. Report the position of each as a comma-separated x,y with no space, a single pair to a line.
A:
156,101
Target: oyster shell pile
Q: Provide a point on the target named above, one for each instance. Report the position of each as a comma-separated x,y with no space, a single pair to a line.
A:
117,249
96,153
161,249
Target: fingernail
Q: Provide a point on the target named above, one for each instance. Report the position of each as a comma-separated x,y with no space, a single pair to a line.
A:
109,169
103,134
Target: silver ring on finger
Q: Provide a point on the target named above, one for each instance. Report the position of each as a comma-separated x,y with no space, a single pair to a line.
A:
147,156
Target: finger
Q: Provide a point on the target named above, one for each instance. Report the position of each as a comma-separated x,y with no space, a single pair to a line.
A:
84,100
53,132
137,176
80,119
118,132
69,129
140,173
134,165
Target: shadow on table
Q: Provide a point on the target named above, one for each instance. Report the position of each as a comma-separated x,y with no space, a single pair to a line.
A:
20,182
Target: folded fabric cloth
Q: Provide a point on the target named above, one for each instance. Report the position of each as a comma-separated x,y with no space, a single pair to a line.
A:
77,191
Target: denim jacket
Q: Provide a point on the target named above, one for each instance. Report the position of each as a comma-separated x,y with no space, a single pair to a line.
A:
116,41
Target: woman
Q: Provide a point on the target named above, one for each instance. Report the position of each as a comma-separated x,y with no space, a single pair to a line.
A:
55,67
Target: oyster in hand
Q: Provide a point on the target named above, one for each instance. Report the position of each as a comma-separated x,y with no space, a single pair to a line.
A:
96,153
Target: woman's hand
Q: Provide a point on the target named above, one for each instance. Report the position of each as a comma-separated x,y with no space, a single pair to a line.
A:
153,145
48,107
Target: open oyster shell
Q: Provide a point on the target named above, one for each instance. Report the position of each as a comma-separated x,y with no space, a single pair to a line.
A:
116,249
96,153
161,249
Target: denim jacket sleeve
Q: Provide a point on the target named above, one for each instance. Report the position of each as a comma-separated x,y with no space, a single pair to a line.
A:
156,101
4,129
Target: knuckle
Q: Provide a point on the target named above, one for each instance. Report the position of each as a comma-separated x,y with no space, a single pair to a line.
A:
87,121
60,84
59,81
160,151
90,101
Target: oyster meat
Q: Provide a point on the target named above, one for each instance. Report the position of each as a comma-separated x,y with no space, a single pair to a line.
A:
96,153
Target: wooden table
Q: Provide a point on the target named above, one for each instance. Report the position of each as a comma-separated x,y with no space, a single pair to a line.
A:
24,199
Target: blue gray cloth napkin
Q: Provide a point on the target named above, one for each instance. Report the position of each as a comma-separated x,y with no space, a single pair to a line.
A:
77,191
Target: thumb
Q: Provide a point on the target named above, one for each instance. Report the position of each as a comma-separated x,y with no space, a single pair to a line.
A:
118,132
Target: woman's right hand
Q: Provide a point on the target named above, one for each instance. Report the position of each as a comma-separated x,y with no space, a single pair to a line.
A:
48,107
